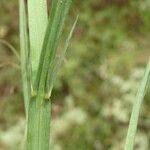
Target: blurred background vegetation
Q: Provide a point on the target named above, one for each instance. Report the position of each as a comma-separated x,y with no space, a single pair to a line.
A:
94,93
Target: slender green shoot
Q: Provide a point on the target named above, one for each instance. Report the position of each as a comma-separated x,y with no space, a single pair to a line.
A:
55,66
38,54
44,41
38,19
129,144
24,52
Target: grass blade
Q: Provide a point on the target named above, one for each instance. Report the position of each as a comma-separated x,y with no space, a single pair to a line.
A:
55,66
51,41
24,52
129,145
38,19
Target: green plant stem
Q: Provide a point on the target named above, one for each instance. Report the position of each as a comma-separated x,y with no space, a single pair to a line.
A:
129,145
39,124
38,131
24,53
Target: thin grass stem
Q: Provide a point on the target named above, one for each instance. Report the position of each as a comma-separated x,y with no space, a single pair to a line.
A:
129,144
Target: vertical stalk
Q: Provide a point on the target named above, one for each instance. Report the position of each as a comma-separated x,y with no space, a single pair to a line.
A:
39,113
129,144
38,123
24,52
39,110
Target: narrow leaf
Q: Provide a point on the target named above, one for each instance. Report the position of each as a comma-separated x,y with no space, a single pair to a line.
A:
51,41
24,52
38,19
129,145
53,71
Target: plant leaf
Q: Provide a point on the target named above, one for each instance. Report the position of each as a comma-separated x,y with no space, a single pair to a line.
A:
55,66
53,32
136,109
39,108
24,52
38,19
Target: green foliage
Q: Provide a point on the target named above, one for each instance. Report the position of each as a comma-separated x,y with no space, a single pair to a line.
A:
98,81
136,110
38,104
38,19
24,46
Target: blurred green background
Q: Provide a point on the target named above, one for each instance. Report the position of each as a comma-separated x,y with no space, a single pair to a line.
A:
96,87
